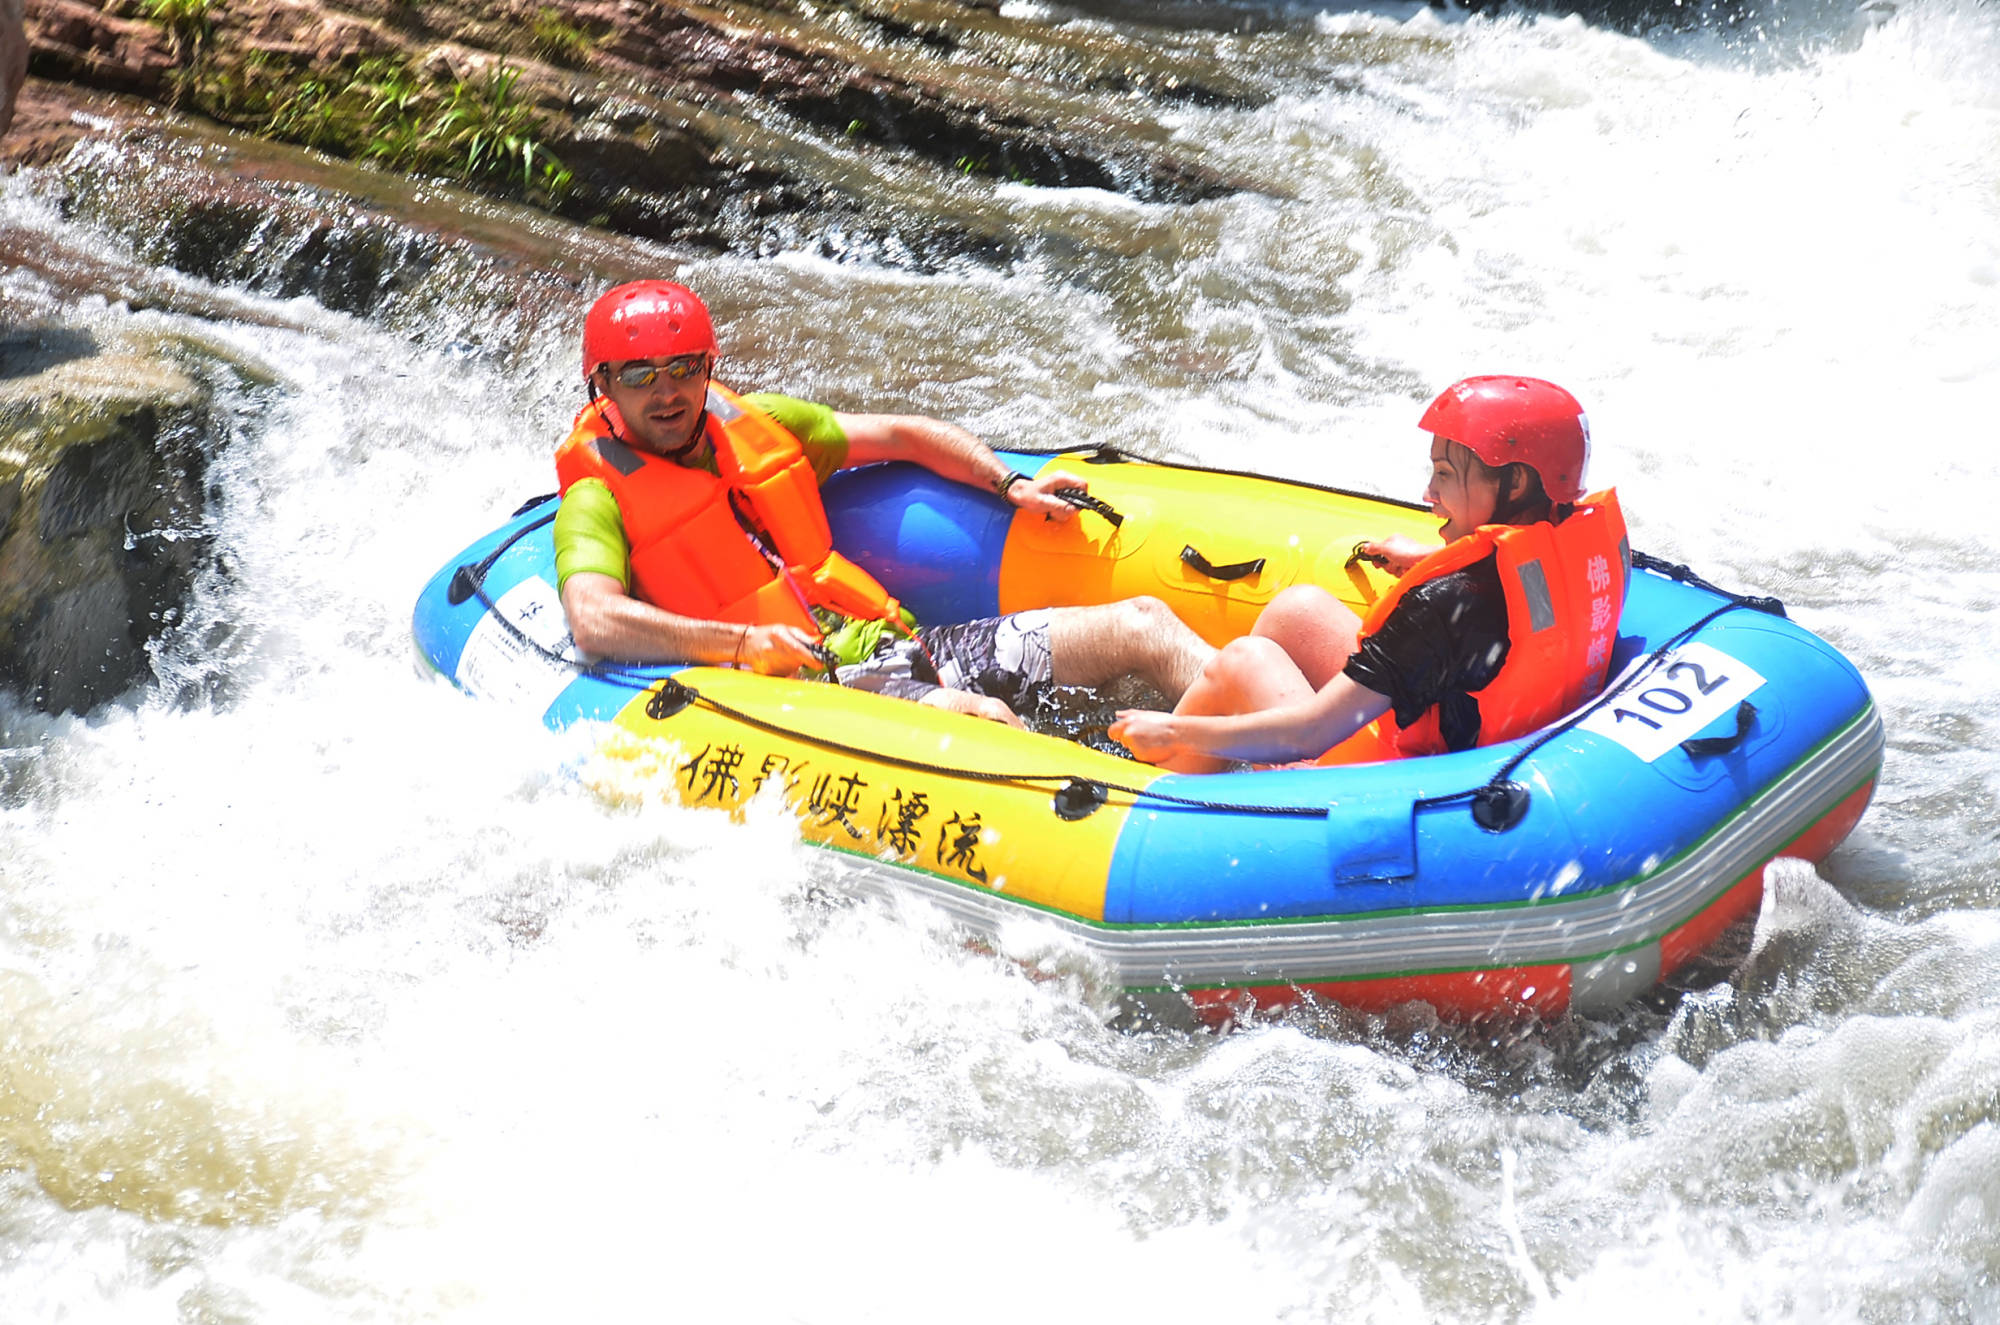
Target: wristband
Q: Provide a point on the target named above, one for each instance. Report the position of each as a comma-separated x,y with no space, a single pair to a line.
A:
1008,480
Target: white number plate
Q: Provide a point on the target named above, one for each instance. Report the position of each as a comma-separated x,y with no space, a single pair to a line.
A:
1693,686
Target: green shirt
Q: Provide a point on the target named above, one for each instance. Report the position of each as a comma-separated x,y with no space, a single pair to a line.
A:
590,532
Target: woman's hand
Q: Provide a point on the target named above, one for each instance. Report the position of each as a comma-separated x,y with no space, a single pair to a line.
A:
1148,734
777,650
1398,552
978,706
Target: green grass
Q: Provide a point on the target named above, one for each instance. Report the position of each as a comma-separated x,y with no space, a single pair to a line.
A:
188,25
487,134
179,16
556,39
477,131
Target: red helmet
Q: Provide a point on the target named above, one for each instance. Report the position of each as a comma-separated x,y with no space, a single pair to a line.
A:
1505,420
645,320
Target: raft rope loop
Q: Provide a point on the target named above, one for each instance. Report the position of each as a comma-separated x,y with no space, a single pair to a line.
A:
1497,805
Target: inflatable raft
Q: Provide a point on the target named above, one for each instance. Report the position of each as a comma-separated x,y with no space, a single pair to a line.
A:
1570,869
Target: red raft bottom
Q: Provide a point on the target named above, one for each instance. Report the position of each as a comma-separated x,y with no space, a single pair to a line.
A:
1535,990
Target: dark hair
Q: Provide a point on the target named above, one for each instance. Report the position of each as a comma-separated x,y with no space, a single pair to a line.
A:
1522,499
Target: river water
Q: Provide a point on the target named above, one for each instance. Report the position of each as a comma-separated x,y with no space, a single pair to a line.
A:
326,996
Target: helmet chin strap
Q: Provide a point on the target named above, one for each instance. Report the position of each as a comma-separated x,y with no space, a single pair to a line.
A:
1510,505
693,442
614,419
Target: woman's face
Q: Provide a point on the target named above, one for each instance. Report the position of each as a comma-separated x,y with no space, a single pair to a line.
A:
1459,492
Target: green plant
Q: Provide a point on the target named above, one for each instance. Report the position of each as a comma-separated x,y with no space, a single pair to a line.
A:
388,113
555,38
393,101
390,86
309,115
187,25
179,16
488,134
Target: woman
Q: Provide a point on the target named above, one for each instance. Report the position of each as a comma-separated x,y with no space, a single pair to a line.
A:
1498,632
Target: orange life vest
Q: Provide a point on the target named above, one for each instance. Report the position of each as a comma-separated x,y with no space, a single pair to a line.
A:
691,554
1564,587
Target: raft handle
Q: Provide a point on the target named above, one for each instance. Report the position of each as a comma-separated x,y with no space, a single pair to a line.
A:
1234,571
1498,806
1700,746
669,699
1083,501
1079,798
1375,559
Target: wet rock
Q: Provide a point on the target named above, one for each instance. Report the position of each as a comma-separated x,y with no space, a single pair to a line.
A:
13,59
852,127
72,41
105,442
41,131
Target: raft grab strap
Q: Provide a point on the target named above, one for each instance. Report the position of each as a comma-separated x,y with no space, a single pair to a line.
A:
1083,501
1239,570
1359,555
1699,746
1681,574
470,579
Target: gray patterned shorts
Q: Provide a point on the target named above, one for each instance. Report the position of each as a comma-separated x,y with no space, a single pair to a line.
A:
1006,658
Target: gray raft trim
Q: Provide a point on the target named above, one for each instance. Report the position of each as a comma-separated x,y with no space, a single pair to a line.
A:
1546,931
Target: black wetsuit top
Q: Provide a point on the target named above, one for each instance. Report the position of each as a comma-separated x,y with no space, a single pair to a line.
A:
1446,638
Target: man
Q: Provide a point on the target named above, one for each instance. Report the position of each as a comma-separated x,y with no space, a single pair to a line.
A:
691,530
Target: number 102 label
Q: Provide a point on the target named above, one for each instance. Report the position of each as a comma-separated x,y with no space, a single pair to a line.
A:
1692,687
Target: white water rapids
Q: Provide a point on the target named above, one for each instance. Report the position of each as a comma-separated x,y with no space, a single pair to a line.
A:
333,999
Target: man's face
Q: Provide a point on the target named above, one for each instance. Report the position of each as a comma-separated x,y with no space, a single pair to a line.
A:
662,414
1461,496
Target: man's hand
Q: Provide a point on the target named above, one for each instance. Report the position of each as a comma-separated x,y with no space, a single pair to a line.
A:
777,650
1038,494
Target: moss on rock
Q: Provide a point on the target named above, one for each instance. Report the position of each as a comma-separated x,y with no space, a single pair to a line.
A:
105,442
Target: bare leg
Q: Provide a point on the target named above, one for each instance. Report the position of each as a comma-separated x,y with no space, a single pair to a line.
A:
1247,675
1318,630
1134,636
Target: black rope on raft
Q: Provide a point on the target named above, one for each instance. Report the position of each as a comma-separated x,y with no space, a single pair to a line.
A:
674,695
1502,802
1076,798
470,579
1676,571
1497,805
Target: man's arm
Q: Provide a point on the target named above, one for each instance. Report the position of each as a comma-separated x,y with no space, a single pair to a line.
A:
950,451
610,623
607,621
